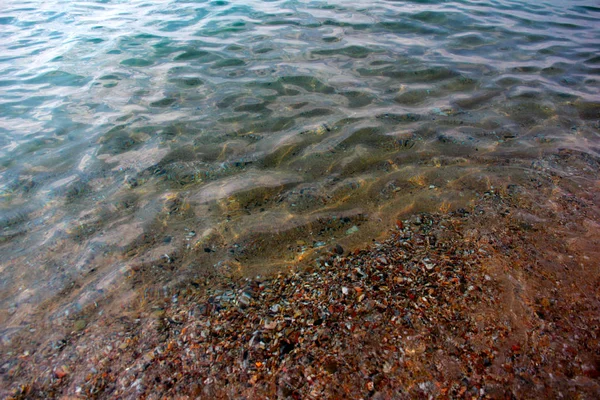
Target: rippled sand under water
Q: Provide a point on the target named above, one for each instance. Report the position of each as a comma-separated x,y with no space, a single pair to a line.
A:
146,146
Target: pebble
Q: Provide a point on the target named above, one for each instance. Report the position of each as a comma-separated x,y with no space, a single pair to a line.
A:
60,372
79,325
352,230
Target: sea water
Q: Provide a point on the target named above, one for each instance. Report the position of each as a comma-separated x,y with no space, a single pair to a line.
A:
187,136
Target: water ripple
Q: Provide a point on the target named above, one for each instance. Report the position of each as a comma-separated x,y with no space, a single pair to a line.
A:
240,119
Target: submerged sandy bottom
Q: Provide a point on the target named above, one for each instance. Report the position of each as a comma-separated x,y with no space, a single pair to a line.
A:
499,300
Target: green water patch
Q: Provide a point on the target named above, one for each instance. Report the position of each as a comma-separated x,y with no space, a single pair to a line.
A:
271,125
451,20
146,36
308,83
95,40
476,100
368,136
357,99
349,51
277,86
137,62
165,48
588,110
296,106
331,39
110,77
162,103
556,69
293,154
508,81
192,55
58,78
264,50
181,154
282,22
178,131
426,75
187,82
118,140
180,174
408,27
459,83
228,62
254,199
315,112
468,41
365,161
228,101
37,144
375,139
345,24
526,69
393,118
414,97
528,113
254,107
282,155
223,31
7,20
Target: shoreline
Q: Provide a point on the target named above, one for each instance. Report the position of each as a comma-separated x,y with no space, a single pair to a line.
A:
500,301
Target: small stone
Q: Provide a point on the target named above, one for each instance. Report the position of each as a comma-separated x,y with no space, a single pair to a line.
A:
60,372
331,367
244,299
339,249
271,325
387,367
79,325
149,356
352,230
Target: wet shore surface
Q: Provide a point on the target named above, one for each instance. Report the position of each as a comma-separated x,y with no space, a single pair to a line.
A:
496,301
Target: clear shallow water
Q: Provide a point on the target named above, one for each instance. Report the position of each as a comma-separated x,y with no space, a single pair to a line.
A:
181,135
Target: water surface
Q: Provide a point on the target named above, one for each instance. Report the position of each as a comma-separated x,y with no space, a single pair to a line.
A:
189,135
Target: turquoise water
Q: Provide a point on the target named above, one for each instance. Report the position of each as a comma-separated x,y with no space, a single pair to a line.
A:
190,135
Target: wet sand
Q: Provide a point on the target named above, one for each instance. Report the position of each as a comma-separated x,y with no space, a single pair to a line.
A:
499,300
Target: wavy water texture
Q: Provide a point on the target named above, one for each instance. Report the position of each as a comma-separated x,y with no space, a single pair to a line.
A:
251,134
